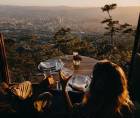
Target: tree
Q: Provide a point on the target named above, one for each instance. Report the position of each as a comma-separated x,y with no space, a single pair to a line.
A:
64,40
113,26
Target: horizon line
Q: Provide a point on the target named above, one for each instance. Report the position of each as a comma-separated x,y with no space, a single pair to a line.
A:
64,6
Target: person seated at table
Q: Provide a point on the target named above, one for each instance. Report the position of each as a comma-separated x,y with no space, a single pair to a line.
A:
108,95
5,105
45,84
22,97
10,94
22,90
19,98
43,102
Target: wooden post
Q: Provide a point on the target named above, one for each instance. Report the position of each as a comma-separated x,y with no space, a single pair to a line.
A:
3,62
136,48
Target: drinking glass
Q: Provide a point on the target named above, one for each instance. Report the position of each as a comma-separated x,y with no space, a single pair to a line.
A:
66,73
80,82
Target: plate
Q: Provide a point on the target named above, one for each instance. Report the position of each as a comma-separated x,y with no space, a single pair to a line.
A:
51,64
78,83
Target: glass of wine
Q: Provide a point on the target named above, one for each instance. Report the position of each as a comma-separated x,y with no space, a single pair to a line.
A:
66,73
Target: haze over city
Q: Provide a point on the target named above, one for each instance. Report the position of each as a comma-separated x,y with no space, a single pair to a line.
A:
74,3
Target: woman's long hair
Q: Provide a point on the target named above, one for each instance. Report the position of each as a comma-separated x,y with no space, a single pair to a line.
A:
108,87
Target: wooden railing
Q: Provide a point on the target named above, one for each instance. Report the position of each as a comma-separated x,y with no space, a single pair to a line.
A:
3,62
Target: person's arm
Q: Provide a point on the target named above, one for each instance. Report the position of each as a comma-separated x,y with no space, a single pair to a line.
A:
65,93
67,100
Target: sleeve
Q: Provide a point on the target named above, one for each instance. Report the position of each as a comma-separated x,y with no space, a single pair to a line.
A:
126,113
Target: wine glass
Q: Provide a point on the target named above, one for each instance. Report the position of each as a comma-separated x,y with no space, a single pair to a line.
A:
66,73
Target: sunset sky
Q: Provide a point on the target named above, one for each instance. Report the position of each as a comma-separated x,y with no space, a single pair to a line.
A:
79,3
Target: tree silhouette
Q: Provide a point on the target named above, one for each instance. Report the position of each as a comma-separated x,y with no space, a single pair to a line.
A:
113,26
108,8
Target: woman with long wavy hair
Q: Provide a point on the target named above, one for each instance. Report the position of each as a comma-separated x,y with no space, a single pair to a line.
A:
108,95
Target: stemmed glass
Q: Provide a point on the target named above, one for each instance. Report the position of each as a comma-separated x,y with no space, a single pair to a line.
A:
65,75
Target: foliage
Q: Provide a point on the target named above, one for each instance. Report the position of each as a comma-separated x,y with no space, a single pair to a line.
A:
113,26
68,42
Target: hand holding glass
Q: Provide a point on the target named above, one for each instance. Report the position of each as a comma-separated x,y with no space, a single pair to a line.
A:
66,73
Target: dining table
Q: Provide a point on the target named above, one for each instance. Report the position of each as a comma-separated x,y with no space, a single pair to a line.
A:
80,76
86,65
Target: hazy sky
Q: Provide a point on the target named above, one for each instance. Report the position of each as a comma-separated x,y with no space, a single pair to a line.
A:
80,3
